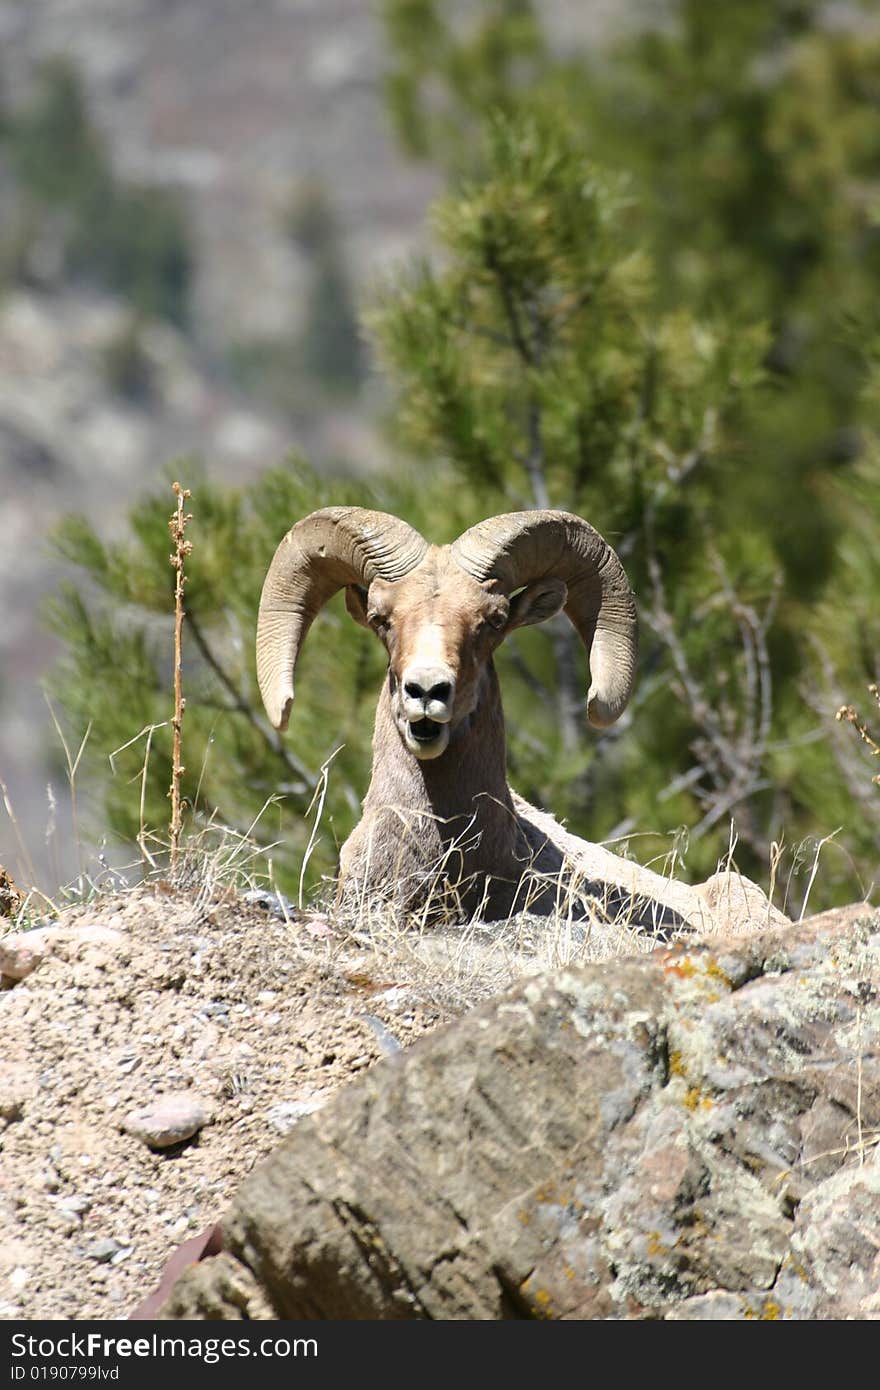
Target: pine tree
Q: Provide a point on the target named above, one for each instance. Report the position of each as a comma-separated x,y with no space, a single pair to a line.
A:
751,135
534,363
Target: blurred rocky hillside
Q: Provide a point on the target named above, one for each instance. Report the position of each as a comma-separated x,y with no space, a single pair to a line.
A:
234,104
263,124
233,109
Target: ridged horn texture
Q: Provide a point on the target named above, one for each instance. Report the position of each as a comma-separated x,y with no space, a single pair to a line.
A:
320,555
518,547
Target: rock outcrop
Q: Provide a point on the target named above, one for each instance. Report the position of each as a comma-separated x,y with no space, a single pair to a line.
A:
686,1134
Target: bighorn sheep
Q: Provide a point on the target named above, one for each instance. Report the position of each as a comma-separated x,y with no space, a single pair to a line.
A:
440,821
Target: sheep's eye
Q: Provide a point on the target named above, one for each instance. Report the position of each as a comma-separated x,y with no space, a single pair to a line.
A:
378,621
497,619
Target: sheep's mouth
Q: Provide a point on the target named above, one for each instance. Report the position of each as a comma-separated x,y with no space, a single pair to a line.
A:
425,738
425,730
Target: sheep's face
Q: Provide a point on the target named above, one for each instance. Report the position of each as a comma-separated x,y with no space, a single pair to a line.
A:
440,627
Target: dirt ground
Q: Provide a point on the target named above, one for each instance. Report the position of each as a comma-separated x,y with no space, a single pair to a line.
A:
252,1013
255,1018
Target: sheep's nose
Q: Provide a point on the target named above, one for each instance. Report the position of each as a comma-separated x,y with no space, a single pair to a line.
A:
427,693
441,691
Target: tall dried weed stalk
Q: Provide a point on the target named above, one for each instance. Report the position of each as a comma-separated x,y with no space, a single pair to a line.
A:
850,715
182,548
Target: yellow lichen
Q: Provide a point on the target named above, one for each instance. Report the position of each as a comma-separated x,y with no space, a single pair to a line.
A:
539,1301
684,968
714,969
694,1100
655,1245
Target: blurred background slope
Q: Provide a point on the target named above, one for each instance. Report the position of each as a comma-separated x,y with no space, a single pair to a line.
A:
241,117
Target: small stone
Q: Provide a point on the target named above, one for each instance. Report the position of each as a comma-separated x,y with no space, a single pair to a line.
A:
317,925
283,1117
168,1120
276,903
715,1306
22,952
75,1203
102,1251
11,897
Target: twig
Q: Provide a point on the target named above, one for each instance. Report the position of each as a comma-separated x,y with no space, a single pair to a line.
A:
182,548
851,715
731,746
850,764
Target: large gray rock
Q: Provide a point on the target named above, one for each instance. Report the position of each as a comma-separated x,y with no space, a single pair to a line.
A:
689,1134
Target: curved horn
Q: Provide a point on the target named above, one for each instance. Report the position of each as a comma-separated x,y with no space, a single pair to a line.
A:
518,547
318,556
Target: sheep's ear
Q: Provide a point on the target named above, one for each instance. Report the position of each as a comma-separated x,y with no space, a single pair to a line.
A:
537,602
356,603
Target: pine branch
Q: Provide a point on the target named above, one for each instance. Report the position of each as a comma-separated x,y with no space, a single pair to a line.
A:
479,330
242,706
508,299
730,747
